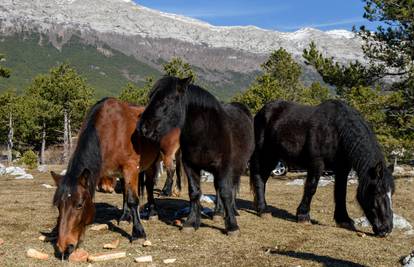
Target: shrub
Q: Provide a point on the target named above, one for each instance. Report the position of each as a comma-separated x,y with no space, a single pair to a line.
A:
29,159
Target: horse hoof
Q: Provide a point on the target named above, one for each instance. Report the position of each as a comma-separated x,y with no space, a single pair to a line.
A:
217,218
266,215
139,241
305,219
233,233
153,218
188,230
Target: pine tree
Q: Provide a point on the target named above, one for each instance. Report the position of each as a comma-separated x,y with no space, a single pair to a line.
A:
178,68
137,95
4,72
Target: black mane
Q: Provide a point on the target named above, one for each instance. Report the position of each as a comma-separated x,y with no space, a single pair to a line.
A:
87,156
359,142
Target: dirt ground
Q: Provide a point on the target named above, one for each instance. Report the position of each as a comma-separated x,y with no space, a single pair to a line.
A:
26,210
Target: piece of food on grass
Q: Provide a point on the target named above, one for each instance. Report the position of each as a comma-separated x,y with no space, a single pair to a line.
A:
33,253
113,245
147,243
47,238
79,255
99,227
106,256
1,241
144,259
167,261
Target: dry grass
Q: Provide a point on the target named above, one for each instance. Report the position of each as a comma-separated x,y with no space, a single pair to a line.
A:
26,210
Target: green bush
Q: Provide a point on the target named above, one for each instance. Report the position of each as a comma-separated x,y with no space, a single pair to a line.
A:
29,159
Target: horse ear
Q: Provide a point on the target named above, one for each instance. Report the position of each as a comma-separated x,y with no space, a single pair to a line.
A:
83,179
56,177
183,84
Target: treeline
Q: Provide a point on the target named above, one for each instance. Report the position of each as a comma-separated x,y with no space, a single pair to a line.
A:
51,109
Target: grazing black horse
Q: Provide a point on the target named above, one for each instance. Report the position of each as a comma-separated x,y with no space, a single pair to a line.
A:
214,137
332,136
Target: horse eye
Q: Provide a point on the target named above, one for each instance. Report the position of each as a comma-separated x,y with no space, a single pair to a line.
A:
79,206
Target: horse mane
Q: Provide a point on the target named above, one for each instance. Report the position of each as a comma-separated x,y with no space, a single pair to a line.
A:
358,142
87,156
195,95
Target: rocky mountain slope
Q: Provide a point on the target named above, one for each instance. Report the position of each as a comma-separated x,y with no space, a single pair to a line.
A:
220,54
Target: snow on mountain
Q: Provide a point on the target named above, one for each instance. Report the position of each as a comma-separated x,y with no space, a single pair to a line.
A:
153,36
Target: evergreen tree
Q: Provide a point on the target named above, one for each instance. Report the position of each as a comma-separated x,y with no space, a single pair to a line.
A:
281,80
178,68
137,95
4,72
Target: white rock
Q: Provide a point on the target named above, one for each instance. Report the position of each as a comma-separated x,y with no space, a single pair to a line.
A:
42,168
25,176
399,223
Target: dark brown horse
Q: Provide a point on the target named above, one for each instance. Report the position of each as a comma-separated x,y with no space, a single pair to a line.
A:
107,145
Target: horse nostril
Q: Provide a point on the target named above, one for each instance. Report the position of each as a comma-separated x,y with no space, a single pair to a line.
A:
70,249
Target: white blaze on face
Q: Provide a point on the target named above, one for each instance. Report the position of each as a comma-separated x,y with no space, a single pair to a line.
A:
390,198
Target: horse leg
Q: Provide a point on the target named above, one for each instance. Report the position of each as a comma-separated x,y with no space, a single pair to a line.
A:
311,184
178,173
149,184
219,207
226,192
260,169
167,189
131,188
194,218
341,216
126,215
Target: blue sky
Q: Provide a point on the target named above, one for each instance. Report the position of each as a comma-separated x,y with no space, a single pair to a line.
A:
281,15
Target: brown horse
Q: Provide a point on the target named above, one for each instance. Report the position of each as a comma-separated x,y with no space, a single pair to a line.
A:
107,145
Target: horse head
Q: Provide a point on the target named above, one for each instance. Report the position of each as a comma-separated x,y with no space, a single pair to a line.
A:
166,108
76,209
375,198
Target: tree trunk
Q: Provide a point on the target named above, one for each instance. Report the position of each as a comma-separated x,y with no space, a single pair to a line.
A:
65,136
42,150
10,140
70,133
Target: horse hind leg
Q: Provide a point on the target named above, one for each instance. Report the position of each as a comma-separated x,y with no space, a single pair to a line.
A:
150,175
219,207
226,193
341,216
311,184
167,189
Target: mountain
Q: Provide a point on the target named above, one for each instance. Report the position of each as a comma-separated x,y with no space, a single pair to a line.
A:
225,58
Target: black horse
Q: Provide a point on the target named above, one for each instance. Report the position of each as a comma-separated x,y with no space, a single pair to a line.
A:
214,137
331,136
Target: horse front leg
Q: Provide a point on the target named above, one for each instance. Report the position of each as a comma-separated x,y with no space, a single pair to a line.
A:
194,218
341,216
311,184
132,199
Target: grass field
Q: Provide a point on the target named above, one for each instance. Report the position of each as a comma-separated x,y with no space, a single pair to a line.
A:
26,210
